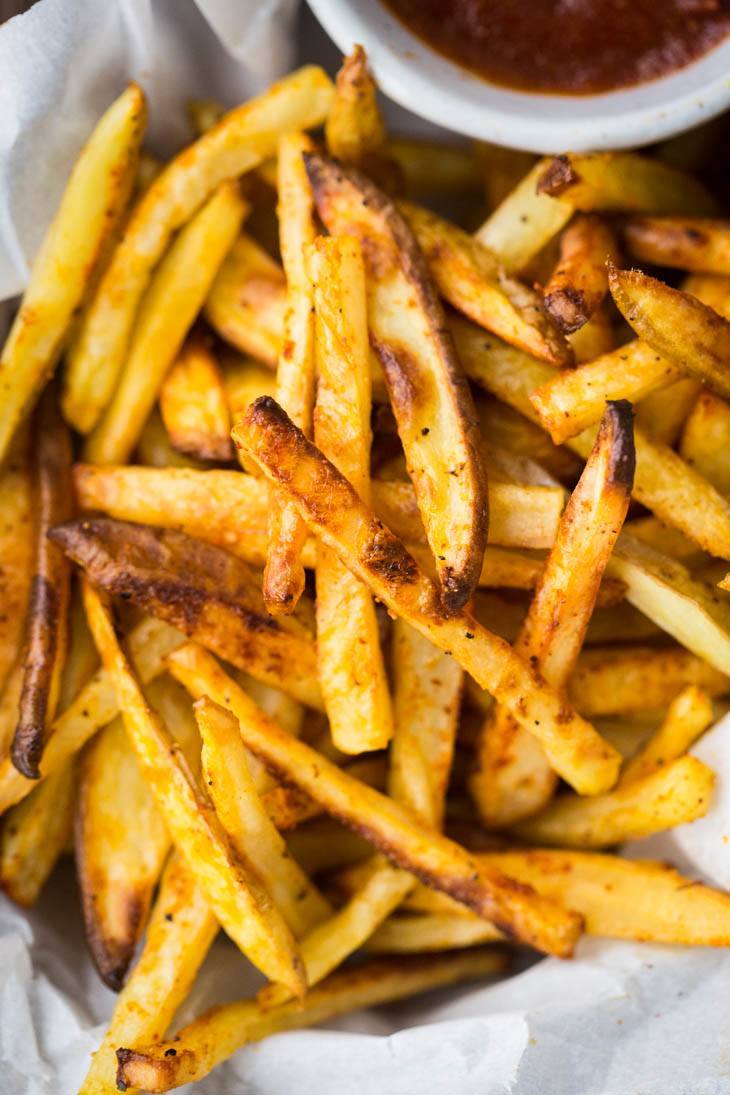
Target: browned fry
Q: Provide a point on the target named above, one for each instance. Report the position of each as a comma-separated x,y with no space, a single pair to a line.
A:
34,835
689,715
354,129
580,280
46,626
205,592
213,1037
247,301
688,333
428,392
194,405
514,777
689,243
705,443
16,552
288,807
370,550
468,276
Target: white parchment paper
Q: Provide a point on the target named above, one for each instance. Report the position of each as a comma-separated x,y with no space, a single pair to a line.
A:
621,1019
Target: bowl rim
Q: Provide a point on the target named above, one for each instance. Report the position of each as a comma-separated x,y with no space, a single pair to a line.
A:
432,86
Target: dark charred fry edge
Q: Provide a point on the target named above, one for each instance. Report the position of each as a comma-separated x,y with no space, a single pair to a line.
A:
459,578
568,307
558,176
47,619
618,418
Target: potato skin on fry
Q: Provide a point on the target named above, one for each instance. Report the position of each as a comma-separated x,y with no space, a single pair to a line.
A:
429,393
580,280
47,620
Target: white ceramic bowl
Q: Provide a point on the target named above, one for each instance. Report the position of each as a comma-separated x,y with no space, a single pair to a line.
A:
428,84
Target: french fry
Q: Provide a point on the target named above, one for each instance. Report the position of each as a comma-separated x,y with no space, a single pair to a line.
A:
9,702
433,932
469,278
237,898
218,1033
376,556
34,834
245,380
515,433
594,338
295,374
427,693
173,298
155,449
616,680
46,626
350,661
580,280
430,398
686,608
288,807
121,841
705,443
435,169
688,333
251,834
180,932
501,169
689,243
354,129
247,301
669,541
689,715
514,777
194,404
16,552
205,592
323,845
242,139
95,196
675,794
662,482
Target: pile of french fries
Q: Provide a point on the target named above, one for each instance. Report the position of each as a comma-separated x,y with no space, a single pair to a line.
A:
363,575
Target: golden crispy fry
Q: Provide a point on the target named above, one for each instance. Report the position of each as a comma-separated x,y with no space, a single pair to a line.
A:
194,404
94,707
171,302
712,289
689,243
669,541
673,795
288,807
506,427
253,837
469,278
427,693
9,700
393,830
323,845
580,280
616,680
350,662
180,931
205,592
354,129
430,397
34,834
705,441
379,558
689,715
687,608
46,625
121,841
434,932
514,775
247,301
94,198
16,552
82,661
236,896
295,374
207,1041
242,139
688,333
662,482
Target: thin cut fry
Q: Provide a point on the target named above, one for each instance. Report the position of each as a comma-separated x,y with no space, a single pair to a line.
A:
95,196
379,558
705,441
238,899
434,932
34,834
690,243
350,662
171,302
194,404
242,139
354,129
295,373
16,552
514,776
46,627
208,1040
673,795
254,839
180,931
429,395
205,592
580,280
689,715
247,301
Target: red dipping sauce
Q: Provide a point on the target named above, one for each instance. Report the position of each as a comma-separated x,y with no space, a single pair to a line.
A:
576,47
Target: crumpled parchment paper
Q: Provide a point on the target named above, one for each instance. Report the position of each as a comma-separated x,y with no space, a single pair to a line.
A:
622,1018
